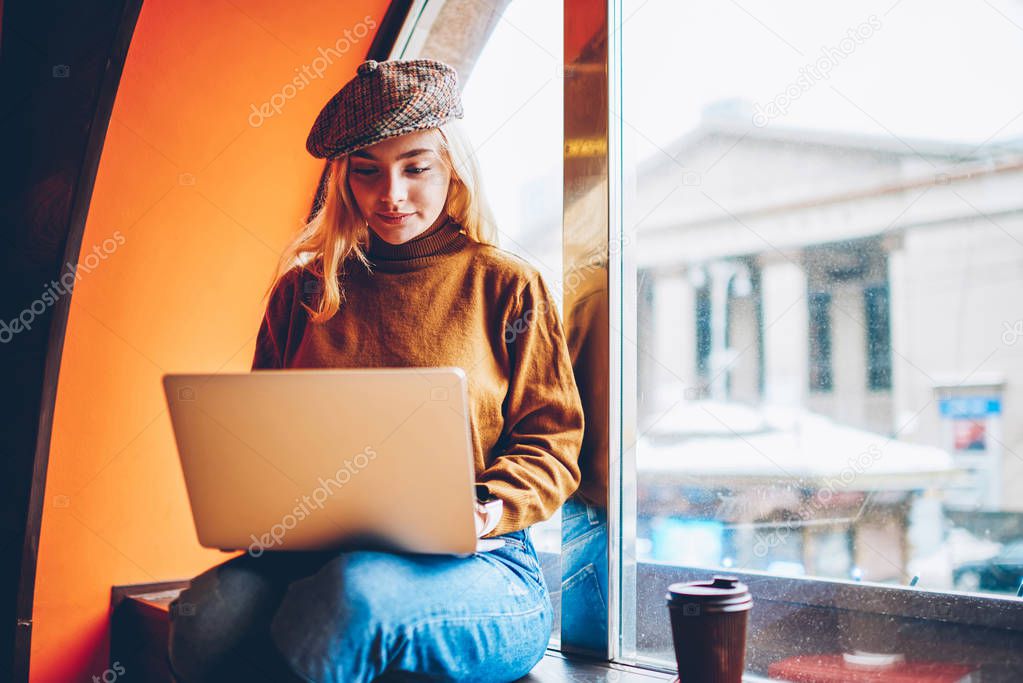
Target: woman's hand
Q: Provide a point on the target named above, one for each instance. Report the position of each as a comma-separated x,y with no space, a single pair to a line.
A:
487,516
481,519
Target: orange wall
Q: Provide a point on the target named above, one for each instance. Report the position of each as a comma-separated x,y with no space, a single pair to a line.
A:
194,200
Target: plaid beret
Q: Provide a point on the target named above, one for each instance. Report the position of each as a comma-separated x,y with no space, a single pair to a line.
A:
384,100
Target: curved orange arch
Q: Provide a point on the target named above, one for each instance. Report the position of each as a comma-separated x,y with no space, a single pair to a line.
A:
203,176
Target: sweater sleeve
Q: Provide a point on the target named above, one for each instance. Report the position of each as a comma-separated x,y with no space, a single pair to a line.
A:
537,466
272,337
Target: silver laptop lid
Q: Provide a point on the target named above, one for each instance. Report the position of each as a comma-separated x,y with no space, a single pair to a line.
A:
315,459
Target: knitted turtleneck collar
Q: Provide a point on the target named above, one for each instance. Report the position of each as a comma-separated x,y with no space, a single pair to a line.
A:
419,251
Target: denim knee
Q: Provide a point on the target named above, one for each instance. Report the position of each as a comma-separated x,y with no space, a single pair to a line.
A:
364,612
212,619
194,643
342,610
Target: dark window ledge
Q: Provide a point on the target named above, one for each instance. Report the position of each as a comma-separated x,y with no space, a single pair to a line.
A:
805,616
559,668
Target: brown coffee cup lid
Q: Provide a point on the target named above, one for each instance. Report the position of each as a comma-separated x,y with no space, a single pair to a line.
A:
720,590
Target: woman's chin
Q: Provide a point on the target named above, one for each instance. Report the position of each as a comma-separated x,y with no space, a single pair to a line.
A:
399,232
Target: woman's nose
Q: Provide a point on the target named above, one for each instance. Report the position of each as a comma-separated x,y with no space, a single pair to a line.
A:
394,190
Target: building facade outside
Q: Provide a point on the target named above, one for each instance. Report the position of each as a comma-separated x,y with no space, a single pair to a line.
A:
862,290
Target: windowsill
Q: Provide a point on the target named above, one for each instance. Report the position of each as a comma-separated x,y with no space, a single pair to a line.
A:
798,616
795,617
556,667
560,668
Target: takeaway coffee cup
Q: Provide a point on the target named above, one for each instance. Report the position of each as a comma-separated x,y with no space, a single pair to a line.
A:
708,628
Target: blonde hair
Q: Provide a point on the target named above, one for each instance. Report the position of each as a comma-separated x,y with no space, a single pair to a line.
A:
337,232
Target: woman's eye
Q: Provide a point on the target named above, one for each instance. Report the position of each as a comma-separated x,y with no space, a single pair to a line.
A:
363,171
419,169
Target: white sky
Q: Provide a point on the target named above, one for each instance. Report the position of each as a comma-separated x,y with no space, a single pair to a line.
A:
934,69
940,69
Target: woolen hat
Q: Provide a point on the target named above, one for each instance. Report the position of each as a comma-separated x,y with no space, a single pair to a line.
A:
384,100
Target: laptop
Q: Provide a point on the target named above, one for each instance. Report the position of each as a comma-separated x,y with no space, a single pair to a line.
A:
307,460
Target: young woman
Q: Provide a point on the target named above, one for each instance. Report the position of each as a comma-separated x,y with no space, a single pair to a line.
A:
397,269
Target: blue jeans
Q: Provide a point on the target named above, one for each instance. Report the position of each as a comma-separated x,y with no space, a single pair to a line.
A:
355,615
584,577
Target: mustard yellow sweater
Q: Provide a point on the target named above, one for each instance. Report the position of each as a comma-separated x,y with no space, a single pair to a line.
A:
443,299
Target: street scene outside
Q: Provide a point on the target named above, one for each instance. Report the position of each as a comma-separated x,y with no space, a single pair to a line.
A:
825,215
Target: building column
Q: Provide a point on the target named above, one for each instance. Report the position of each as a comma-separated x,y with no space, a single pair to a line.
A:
786,330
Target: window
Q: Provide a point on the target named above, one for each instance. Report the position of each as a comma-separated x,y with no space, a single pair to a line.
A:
703,332
879,352
820,341
832,197
816,249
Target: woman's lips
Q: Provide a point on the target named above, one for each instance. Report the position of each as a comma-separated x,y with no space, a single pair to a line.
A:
394,218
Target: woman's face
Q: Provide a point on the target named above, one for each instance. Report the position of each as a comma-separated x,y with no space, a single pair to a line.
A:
400,184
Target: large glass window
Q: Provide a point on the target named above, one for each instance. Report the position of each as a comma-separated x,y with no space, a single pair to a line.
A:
823,214
820,229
